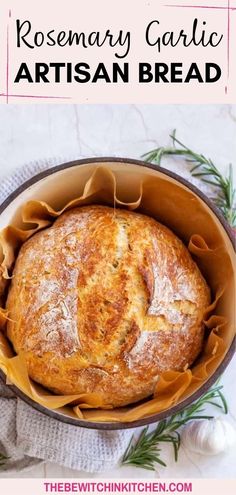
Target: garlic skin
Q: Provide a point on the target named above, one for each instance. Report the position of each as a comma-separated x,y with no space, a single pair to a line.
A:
209,436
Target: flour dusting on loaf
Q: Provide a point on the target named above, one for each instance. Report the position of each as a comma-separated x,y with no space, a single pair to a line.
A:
103,301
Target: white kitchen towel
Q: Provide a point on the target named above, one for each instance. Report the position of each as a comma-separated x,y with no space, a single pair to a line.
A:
28,436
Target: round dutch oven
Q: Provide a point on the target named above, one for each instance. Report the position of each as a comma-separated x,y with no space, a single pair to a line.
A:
62,177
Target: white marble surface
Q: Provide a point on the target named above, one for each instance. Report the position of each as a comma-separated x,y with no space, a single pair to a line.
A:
30,132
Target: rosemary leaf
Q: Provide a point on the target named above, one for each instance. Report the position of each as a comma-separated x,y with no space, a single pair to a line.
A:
145,452
3,459
204,169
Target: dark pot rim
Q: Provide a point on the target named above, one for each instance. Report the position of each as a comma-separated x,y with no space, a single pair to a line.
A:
228,356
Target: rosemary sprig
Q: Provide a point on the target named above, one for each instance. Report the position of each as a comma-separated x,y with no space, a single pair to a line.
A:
204,169
145,452
3,459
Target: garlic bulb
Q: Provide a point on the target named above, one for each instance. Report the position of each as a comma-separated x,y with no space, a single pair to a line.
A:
209,436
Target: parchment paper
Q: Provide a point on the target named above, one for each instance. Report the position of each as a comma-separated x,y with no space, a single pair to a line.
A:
181,210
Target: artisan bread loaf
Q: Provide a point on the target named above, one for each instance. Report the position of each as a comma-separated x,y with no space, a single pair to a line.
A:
104,301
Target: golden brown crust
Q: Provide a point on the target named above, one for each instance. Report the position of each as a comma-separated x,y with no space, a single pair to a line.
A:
103,301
